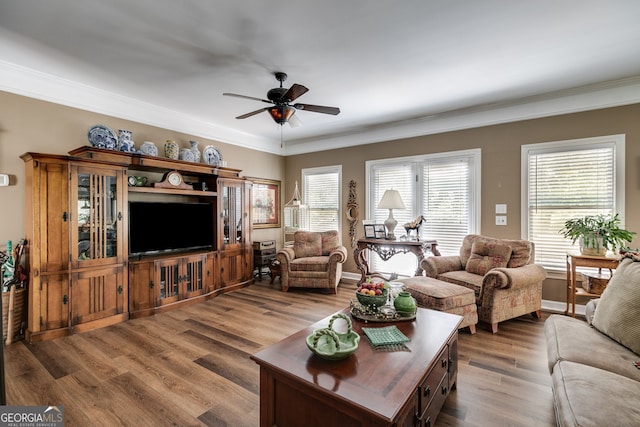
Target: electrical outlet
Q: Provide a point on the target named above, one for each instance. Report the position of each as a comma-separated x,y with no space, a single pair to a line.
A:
501,220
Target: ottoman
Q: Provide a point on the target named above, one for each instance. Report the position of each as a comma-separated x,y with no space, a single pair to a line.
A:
442,296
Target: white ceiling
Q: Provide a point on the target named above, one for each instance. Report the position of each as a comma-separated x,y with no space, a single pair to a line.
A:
395,69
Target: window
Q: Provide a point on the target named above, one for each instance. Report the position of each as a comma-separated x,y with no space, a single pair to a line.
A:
444,188
321,190
568,179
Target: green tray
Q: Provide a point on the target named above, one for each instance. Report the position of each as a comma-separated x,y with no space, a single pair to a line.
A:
387,335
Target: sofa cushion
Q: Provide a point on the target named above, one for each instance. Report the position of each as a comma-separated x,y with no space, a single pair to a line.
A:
618,312
307,244
588,396
572,339
486,255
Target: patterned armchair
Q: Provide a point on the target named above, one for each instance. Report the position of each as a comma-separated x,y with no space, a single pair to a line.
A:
501,272
314,261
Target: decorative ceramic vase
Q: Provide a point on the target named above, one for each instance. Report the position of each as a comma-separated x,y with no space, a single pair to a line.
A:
196,152
149,148
186,154
404,303
171,149
125,143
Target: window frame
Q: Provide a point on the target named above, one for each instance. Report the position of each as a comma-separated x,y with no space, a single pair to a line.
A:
416,162
617,141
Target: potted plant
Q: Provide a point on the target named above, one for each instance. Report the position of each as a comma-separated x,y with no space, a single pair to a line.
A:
597,233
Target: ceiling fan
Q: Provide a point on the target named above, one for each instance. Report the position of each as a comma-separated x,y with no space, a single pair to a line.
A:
282,110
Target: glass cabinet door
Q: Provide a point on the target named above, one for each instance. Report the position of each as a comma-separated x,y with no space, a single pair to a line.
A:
232,213
96,214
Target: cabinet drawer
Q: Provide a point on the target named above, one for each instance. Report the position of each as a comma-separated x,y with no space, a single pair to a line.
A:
264,252
263,259
268,244
428,417
428,389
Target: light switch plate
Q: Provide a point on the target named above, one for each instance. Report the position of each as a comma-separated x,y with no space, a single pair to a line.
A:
501,220
4,180
501,209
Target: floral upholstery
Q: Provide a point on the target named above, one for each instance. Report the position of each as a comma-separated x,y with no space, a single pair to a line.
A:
314,261
503,292
442,296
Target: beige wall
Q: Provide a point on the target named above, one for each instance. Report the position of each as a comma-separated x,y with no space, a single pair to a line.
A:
27,124
31,125
501,145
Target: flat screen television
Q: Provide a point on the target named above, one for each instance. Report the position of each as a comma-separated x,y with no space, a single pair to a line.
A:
157,227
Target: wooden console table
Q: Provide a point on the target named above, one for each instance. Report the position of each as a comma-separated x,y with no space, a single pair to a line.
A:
388,248
578,260
370,388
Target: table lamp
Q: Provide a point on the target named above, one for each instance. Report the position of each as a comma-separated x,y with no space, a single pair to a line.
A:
391,200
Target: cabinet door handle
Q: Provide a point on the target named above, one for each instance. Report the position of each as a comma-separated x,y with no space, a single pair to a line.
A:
427,391
444,363
120,289
444,389
65,299
65,216
151,284
119,216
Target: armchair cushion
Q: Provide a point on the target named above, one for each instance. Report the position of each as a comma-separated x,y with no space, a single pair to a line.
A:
486,255
307,244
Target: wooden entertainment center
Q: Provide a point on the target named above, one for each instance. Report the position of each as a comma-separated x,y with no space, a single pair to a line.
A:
81,276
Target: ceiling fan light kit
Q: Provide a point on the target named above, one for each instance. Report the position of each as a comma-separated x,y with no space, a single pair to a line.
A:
281,97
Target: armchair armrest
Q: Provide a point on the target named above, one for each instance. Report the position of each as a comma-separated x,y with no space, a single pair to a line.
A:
519,277
285,256
339,254
435,265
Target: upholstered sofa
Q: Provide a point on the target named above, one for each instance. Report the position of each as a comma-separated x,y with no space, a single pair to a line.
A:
501,272
314,261
593,369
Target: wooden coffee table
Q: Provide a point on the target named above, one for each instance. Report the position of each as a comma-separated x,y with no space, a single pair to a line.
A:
370,387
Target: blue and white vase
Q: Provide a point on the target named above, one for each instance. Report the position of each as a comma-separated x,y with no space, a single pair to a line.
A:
149,148
125,143
196,152
186,154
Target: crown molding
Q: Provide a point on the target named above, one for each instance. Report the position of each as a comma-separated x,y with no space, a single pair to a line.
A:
39,85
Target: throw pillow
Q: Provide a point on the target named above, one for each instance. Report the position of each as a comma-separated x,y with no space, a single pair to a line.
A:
487,255
330,241
618,312
306,244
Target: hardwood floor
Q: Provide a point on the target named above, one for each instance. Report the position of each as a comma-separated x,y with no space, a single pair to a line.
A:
191,366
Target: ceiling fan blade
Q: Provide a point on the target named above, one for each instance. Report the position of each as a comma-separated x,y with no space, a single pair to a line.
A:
294,92
247,97
317,109
253,113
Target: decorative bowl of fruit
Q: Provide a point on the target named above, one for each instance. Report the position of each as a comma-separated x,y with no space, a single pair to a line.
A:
372,294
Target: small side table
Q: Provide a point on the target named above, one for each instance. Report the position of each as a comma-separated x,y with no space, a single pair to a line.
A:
264,253
579,260
388,248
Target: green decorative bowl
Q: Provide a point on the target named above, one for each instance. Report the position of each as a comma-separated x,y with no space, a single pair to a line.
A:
331,345
373,300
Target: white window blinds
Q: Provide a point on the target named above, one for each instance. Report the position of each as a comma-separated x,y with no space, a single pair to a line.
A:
321,194
567,180
443,188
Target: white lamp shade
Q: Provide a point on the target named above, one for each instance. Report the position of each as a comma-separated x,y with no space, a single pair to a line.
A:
391,200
